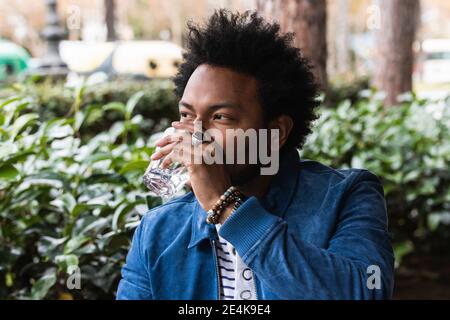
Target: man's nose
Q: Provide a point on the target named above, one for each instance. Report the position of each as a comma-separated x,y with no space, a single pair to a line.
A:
200,125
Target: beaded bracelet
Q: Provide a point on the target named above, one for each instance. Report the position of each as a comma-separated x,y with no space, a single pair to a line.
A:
232,195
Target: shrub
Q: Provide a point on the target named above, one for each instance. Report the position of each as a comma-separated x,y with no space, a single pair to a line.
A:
408,147
67,204
157,106
342,89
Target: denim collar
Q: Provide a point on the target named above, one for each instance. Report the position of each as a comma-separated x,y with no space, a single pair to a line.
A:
276,200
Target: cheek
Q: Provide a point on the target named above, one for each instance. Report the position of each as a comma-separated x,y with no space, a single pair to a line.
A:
255,121
220,138
217,135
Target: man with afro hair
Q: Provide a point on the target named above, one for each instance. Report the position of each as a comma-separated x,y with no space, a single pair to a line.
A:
305,231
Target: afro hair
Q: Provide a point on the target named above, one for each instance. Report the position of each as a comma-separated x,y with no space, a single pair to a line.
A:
245,42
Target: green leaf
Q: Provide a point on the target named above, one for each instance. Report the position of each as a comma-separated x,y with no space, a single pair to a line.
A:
132,102
22,122
98,157
402,249
116,130
152,201
9,279
47,244
42,286
435,219
75,243
8,172
67,262
106,178
13,111
89,114
66,203
94,115
119,213
49,179
138,165
69,202
8,149
80,207
10,100
116,106
18,157
96,226
57,128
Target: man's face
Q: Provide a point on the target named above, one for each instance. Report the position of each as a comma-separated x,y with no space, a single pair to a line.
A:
223,99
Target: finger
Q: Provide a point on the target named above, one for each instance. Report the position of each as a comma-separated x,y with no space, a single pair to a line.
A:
182,153
163,151
193,127
176,137
189,126
175,156
167,161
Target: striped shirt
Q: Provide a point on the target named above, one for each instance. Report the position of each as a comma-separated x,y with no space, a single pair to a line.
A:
236,279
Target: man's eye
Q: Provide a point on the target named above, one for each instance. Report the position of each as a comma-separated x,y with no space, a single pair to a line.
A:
221,117
185,115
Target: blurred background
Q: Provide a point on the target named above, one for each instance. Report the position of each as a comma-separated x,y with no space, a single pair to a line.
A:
84,85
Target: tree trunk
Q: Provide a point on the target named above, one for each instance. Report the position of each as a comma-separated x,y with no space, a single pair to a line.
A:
395,56
110,20
308,20
173,11
342,37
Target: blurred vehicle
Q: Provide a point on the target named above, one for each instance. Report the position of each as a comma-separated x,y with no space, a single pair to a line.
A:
13,59
434,65
141,59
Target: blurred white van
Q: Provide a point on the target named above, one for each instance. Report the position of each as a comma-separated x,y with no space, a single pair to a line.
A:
149,59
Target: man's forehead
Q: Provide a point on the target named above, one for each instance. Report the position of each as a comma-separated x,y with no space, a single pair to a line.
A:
212,85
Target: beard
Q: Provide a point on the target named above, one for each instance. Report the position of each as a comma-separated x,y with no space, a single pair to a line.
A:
241,174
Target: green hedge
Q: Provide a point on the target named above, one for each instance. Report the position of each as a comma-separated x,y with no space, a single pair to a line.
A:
71,161
68,201
158,105
408,147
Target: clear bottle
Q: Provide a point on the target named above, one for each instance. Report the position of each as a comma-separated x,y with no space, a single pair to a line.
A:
165,183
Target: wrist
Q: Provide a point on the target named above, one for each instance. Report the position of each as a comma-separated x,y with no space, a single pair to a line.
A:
214,196
230,200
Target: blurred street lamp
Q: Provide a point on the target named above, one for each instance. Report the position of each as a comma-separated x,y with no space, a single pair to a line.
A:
51,63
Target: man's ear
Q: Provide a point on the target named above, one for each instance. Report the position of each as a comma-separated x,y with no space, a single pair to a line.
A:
284,124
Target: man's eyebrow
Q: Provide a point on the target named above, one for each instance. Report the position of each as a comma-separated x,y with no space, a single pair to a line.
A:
214,106
185,104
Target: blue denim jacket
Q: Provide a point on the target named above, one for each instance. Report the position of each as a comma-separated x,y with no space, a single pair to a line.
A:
319,233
